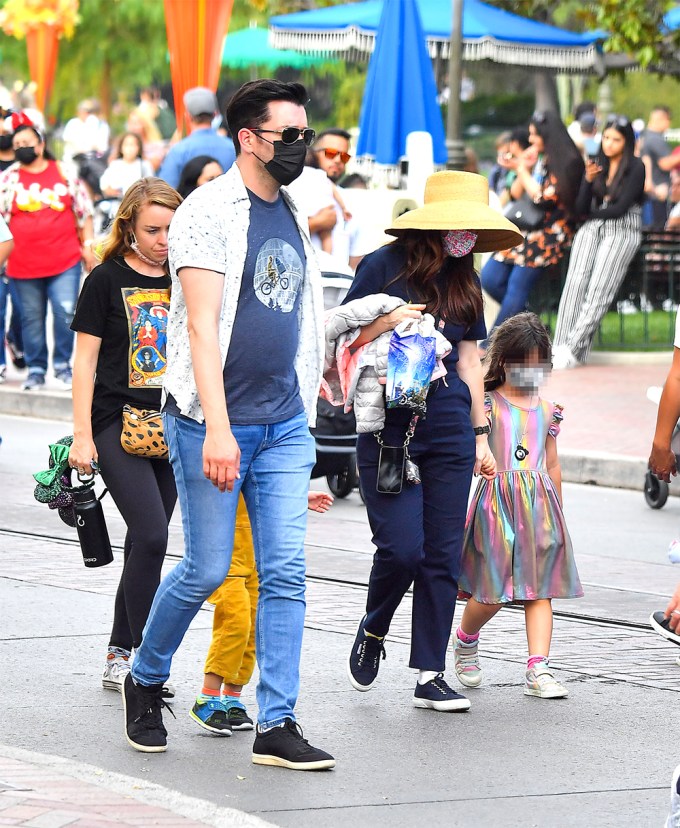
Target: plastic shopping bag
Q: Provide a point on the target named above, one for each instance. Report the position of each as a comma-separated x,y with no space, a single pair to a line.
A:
411,359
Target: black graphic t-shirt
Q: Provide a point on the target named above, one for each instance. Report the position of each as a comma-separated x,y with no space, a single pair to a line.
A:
128,312
260,380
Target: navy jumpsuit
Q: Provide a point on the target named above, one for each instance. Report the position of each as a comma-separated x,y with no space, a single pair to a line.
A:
418,533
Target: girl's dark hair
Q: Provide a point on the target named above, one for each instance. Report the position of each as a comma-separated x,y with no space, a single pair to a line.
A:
249,106
46,153
140,145
455,298
191,172
513,341
623,126
563,159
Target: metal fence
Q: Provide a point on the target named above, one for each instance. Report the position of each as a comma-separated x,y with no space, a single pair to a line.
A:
642,317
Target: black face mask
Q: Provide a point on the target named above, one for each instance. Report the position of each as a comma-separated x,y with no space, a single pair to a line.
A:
5,142
288,161
25,155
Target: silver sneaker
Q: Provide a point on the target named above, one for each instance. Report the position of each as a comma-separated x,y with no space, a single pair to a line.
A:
115,670
467,666
541,683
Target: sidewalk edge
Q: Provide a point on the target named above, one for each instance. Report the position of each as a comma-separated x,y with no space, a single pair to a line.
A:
149,793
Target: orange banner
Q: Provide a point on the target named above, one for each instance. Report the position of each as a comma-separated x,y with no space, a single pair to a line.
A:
196,31
42,45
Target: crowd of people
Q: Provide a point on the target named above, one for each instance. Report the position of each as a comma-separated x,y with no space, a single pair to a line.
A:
201,268
586,191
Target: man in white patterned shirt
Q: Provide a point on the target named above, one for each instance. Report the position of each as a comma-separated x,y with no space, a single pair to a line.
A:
244,353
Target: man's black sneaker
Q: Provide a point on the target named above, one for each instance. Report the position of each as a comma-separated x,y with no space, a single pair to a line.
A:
364,660
144,728
16,355
285,747
437,695
659,624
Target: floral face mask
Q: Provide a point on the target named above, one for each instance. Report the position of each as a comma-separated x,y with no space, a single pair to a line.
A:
458,243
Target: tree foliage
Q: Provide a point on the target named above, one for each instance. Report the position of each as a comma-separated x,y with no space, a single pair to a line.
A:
635,27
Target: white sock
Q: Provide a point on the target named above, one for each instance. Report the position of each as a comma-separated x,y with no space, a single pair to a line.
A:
426,675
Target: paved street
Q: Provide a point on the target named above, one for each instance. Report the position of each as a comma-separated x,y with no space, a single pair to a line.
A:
603,757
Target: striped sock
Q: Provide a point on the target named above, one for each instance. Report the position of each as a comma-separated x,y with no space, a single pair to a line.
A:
533,661
465,638
210,693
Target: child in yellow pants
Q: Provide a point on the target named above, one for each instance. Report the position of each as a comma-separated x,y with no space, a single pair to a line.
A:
231,657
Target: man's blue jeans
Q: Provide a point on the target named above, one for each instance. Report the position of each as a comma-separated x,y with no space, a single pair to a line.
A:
276,461
62,292
510,285
14,335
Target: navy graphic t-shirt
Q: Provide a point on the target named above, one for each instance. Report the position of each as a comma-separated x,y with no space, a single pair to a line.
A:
260,380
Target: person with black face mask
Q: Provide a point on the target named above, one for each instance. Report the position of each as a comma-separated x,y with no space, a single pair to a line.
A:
13,339
237,412
50,216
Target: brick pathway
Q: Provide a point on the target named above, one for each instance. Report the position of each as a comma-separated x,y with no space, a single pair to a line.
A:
39,797
585,648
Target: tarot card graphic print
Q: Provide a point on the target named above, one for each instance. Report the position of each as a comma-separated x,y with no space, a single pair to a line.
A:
147,313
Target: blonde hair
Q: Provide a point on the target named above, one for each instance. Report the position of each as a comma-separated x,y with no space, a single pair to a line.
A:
142,192
150,132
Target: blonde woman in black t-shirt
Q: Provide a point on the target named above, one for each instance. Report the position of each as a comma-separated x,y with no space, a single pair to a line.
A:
121,321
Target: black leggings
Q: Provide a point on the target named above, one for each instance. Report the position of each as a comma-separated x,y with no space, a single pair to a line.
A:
145,494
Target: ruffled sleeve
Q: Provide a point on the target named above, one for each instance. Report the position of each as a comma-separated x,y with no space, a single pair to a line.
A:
556,422
488,406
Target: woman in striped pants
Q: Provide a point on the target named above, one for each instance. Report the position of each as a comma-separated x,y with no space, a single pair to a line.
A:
610,198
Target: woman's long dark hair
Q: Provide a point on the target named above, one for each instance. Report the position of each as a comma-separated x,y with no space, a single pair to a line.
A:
458,297
191,172
513,341
624,128
563,159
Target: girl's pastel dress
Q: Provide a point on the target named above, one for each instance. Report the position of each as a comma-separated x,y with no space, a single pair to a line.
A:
517,546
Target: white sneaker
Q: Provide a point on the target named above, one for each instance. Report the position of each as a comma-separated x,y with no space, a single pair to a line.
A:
563,358
115,670
466,659
541,683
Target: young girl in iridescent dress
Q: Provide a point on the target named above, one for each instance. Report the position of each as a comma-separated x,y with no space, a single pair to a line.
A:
517,547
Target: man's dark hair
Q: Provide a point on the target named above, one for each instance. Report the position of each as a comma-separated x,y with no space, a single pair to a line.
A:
583,107
203,118
339,133
660,108
521,136
249,106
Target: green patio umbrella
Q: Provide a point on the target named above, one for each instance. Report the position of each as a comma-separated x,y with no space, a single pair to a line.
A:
249,49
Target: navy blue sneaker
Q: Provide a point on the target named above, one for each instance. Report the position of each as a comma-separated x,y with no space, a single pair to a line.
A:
437,695
660,624
364,659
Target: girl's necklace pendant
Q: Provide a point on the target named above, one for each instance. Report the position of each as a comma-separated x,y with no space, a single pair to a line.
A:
521,453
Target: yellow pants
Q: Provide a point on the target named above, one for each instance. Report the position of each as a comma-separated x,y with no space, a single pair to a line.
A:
232,649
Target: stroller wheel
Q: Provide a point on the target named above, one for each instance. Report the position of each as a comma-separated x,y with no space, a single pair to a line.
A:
656,491
342,483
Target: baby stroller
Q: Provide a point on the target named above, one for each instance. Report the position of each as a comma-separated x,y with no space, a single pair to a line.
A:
657,491
335,432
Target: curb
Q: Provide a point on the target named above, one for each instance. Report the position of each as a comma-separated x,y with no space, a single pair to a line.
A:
147,793
596,468
44,405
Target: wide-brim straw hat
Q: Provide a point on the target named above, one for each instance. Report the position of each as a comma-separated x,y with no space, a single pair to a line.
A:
460,201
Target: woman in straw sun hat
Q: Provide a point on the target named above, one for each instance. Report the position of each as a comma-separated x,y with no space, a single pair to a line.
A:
419,531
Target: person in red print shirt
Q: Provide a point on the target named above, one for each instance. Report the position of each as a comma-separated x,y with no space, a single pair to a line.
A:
50,216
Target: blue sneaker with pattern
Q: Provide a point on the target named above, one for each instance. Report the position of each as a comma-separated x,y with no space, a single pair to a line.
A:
211,714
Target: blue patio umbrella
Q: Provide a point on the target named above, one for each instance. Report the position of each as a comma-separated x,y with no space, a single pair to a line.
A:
672,19
489,33
400,95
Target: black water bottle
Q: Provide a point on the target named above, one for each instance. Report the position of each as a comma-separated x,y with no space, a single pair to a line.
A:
91,527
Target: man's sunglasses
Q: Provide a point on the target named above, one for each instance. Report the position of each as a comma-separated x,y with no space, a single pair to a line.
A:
332,154
289,135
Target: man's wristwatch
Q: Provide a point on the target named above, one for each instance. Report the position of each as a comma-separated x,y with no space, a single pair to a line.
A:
482,430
